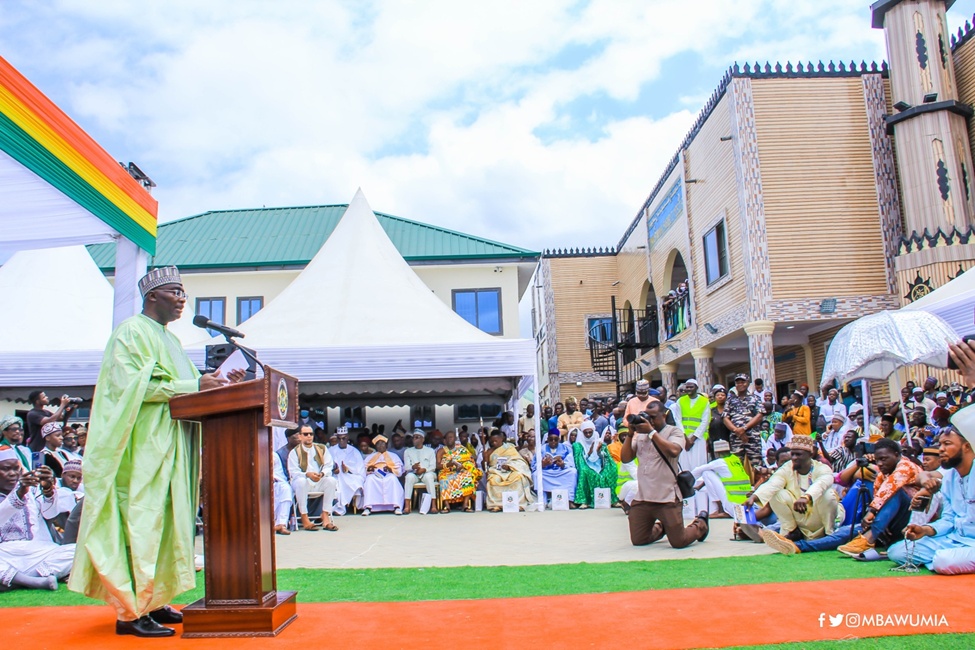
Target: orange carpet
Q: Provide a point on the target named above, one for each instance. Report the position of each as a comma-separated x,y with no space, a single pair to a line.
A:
675,618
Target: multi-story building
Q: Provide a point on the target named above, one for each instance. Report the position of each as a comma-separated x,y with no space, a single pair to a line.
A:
804,196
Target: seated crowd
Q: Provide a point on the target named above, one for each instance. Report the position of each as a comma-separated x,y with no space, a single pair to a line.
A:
816,472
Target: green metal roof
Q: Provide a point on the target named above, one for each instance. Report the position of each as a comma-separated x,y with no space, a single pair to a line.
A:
292,236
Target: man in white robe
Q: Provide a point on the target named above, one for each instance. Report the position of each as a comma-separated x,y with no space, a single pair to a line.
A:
29,557
310,467
283,496
723,481
349,470
382,489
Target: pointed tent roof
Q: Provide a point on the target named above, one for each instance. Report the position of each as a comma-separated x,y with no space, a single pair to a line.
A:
348,292
335,327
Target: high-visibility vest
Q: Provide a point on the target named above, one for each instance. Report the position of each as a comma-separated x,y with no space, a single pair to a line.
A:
738,484
692,413
622,476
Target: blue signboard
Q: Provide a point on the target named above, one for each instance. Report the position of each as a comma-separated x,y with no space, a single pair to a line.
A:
670,208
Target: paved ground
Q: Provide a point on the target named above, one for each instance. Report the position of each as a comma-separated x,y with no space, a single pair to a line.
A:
489,539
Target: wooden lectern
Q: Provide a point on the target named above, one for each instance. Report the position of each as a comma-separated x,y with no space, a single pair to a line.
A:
238,529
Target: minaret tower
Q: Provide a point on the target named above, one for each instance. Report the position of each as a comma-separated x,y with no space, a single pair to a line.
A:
929,123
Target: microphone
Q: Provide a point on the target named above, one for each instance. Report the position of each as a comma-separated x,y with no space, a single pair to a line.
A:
202,321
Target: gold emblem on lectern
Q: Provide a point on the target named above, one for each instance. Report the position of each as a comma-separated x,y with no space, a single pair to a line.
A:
282,399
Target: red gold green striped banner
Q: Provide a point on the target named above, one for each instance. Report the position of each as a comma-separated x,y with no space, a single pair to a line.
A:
44,139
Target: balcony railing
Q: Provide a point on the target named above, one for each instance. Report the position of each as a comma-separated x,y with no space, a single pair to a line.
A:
677,314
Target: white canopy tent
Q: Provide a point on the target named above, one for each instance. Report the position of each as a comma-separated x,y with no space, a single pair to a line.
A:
954,302
34,214
60,320
359,325
58,188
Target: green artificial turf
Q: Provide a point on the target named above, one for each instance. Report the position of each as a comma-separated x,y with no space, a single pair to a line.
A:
916,642
385,585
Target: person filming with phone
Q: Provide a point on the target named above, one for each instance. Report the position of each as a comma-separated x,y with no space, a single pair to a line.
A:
657,508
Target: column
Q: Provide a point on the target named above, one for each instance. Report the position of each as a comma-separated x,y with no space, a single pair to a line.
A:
130,266
704,368
811,378
761,351
668,376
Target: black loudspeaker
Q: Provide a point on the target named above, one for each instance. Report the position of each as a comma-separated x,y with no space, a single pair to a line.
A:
217,354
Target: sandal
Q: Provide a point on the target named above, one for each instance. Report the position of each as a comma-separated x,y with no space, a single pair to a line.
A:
332,527
366,512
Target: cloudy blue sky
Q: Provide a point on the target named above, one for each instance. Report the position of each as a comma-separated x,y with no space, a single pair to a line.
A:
541,123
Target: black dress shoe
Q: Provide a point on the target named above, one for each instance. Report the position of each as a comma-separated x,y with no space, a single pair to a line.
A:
166,614
144,627
703,515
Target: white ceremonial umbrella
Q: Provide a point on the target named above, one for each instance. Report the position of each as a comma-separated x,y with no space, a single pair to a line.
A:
876,346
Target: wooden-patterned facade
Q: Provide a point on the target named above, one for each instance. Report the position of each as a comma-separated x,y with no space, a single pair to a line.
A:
824,204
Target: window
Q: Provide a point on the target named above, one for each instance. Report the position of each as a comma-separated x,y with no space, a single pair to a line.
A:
600,329
213,308
247,307
475,412
716,253
423,417
480,307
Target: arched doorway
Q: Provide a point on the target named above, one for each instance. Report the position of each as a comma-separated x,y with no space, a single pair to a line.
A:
676,305
649,328
628,333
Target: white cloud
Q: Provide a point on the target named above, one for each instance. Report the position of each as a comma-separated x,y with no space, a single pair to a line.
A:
432,107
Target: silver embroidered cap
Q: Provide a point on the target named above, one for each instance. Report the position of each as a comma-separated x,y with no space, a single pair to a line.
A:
159,277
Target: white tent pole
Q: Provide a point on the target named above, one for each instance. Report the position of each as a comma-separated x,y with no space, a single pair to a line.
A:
130,265
539,483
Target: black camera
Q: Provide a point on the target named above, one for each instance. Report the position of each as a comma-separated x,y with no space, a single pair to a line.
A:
864,448
636,418
862,462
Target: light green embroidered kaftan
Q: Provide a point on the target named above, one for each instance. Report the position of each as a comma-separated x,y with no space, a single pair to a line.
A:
135,545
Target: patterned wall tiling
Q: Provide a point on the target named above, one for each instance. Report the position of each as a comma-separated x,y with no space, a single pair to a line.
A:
846,308
761,352
704,373
885,171
751,202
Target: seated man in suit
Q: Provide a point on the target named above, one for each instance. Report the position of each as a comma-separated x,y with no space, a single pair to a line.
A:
310,466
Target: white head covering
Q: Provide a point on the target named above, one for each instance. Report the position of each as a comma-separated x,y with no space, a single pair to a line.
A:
587,441
7,453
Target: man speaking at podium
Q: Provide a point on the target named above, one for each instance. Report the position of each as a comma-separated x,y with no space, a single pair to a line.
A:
135,546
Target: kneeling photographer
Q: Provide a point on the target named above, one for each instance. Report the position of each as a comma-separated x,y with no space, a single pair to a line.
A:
657,507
